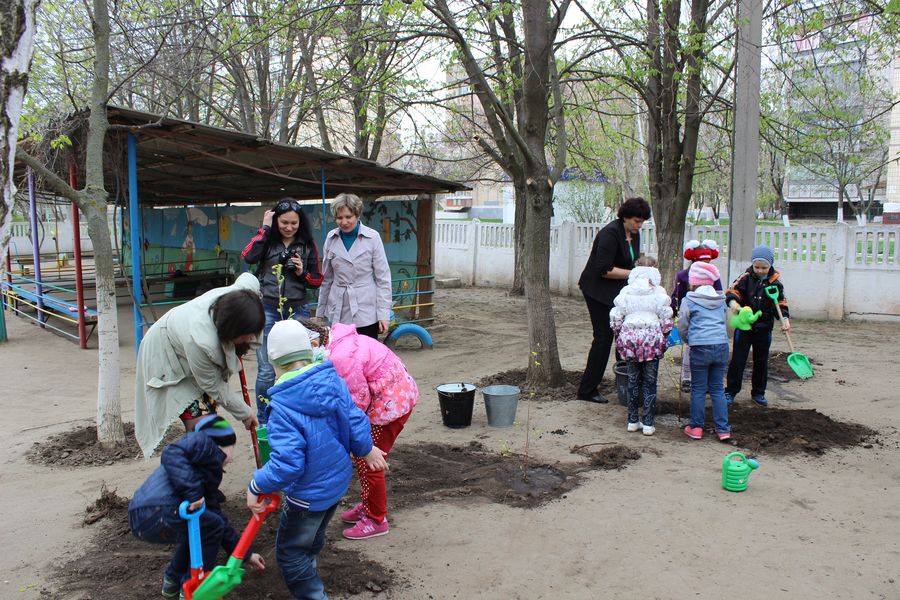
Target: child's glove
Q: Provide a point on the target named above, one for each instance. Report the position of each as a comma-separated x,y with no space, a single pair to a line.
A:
745,318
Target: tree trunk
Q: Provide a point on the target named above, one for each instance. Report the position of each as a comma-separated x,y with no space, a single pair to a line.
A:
109,412
16,49
519,237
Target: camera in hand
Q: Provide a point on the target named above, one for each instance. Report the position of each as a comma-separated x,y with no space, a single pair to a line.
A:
286,255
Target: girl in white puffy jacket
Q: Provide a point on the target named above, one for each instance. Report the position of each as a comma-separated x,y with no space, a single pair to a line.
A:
641,318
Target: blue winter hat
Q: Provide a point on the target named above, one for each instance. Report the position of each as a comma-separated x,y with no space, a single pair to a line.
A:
764,254
217,429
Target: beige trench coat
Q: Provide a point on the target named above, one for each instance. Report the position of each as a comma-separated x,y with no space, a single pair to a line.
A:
356,288
180,358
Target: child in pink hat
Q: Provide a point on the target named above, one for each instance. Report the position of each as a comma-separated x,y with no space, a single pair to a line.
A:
694,251
702,324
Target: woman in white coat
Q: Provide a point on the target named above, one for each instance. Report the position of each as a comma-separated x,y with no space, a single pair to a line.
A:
187,357
356,284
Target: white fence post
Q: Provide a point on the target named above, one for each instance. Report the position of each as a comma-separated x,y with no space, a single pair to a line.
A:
475,229
567,245
839,254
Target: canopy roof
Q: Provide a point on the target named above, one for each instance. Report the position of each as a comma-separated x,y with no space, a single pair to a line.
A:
182,162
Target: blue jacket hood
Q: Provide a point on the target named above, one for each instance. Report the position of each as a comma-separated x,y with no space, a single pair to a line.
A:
313,426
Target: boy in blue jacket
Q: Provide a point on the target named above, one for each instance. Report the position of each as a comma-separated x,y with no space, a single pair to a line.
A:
313,427
190,469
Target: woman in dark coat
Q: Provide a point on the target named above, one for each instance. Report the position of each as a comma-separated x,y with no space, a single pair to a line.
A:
612,257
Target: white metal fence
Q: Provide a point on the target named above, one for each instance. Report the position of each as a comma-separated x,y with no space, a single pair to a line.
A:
829,271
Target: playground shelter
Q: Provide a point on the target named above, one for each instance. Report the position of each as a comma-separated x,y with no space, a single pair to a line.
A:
156,163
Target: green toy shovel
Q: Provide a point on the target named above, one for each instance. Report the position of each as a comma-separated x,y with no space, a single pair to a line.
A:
799,363
225,578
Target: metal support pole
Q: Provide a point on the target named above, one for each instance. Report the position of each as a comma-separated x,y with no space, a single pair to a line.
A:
324,211
79,281
745,140
134,215
36,247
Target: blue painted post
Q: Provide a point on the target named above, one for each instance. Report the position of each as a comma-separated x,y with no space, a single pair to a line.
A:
324,211
134,215
36,247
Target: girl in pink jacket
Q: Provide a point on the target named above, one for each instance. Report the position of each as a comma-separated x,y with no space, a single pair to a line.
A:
383,389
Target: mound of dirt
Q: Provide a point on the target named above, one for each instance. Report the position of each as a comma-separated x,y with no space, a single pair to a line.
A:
117,565
611,458
781,431
80,448
109,504
566,391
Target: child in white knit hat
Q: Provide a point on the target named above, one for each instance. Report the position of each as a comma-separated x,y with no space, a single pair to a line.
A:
313,428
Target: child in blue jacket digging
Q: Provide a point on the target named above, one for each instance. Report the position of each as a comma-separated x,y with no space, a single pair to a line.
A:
313,427
190,469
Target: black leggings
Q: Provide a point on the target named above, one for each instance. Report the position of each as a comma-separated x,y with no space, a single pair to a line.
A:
369,330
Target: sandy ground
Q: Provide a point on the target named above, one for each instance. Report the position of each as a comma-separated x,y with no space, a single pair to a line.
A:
808,527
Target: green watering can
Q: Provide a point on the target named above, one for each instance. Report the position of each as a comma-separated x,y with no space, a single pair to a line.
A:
799,363
736,469
225,578
745,318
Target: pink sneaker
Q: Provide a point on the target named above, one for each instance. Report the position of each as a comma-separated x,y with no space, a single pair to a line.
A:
695,433
353,515
724,437
366,528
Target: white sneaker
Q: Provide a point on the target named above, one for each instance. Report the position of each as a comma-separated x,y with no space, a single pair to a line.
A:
632,427
649,429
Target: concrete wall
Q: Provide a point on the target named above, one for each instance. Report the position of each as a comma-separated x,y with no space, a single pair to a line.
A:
830,272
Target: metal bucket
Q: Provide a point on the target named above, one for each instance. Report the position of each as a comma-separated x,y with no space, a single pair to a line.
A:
457,401
500,402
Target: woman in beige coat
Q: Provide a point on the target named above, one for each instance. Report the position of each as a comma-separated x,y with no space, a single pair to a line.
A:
356,285
187,357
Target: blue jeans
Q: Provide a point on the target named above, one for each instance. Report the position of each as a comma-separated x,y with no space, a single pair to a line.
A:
301,536
162,525
760,341
708,365
642,381
265,373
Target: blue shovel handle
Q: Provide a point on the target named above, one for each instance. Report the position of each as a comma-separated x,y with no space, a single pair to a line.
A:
193,523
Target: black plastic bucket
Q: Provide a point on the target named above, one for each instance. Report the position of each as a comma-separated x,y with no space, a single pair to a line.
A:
457,401
621,371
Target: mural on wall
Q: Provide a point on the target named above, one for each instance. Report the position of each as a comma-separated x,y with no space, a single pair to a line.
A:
197,240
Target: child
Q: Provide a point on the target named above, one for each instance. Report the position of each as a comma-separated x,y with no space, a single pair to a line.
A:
702,325
750,290
641,319
383,389
313,427
190,469
694,251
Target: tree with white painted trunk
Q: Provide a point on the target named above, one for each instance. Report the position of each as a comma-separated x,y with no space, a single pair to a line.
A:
17,29
91,200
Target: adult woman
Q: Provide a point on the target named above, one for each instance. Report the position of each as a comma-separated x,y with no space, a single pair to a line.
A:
187,357
356,288
612,257
290,246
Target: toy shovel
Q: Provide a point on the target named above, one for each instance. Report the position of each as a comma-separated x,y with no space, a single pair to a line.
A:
196,551
225,578
799,363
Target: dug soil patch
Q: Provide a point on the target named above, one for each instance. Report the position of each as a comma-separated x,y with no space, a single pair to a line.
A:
80,448
117,565
566,391
780,431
